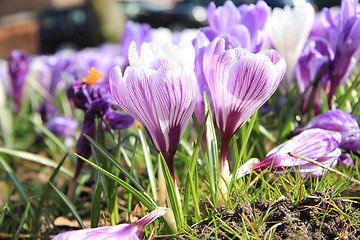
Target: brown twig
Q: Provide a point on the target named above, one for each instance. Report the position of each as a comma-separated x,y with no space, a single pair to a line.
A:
323,166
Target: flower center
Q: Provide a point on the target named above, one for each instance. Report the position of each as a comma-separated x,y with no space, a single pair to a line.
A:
93,76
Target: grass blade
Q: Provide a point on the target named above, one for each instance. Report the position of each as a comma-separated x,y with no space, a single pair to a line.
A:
17,233
347,95
35,158
4,209
16,183
189,185
173,197
243,147
95,203
141,196
212,162
109,157
149,165
69,204
45,193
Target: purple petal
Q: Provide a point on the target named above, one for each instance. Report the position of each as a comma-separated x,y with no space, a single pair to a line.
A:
161,100
224,16
62,126
135,32
18,69
240,82
120,232
338,121
316,144
346,159
118,120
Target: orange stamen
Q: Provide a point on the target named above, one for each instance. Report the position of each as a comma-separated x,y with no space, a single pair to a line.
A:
93,76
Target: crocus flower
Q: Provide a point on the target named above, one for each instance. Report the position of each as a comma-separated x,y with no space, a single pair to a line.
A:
340,29
347,50
317,144
338,121
241,26
240,82
95,99
289,30
200,44
18,69
158,92
316,54
138,32
119,232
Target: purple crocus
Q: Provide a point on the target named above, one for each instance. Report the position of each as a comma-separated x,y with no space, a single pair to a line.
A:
18,69
119,232
161,95
338,121
95,99
316,144
316,54
342,32
138,32
240,82
241,26
347,48
200,43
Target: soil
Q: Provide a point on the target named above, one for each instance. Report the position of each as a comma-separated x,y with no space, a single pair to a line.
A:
318,216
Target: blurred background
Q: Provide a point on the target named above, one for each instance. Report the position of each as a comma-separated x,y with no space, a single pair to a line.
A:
45,26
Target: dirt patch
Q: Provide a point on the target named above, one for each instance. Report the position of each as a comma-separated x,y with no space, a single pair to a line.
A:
318,216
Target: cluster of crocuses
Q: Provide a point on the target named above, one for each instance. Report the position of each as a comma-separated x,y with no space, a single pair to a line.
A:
237,61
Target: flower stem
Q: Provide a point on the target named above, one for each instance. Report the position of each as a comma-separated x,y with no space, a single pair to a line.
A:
225,141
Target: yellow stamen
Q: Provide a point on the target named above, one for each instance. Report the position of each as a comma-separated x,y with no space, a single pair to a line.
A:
93,76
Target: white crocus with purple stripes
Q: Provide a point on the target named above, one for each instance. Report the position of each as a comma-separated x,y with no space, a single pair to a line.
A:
240,82
317,144
119,232
158,92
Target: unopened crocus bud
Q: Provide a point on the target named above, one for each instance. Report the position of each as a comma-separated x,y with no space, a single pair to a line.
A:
18,69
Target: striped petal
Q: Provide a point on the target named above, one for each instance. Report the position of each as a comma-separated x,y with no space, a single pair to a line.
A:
161,100
240,82
316,144
119,232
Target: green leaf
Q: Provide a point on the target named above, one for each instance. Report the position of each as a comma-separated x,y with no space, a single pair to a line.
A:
22,220
16,183
190,186
44,195
347,94
149,165
173,197
110,187
109,157
141,196
243,147
35,158
3,210
95,203
212,160
69,204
